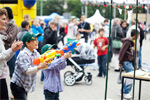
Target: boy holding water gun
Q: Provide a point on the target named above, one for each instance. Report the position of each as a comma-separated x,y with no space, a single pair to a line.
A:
24,76
52,79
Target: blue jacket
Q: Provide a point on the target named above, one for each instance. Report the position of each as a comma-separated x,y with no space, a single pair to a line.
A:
37,30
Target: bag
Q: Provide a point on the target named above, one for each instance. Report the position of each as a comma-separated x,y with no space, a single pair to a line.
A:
116,44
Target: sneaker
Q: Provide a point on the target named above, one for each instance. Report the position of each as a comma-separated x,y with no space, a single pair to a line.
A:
127,96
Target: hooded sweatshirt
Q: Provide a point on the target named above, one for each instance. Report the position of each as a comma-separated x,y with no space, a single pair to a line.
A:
127,51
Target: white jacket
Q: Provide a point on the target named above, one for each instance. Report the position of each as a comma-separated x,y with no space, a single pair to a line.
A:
5,55
72,31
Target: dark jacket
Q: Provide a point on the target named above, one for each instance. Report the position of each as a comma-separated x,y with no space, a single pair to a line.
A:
127,51
124,30
119,35
50,36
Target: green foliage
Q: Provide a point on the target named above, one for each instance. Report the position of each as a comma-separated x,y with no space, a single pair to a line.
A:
51,6
74,7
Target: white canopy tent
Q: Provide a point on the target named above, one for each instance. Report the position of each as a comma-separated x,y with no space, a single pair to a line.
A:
96,18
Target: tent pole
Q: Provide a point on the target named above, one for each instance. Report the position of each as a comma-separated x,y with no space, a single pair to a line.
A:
108,52
135,48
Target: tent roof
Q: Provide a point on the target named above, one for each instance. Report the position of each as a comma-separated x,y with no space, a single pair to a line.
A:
96,18
53,15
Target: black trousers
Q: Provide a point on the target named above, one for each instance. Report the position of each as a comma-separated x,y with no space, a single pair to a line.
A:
19,93
50,95
3,90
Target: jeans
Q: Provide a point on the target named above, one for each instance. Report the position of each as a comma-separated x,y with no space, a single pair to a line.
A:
128,67
86,40
42,76
139,54
11,65
18,92
102,65
50,95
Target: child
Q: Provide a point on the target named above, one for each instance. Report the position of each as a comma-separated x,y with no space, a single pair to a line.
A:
102,44
24,76
126,59
25,27
52,79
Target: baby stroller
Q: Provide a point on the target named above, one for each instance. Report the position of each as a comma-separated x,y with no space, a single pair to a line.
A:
70,78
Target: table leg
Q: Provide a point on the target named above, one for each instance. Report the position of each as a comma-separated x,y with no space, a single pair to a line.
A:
122,88
140,90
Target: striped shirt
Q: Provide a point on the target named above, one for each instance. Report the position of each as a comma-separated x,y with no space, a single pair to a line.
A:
23,62
52,78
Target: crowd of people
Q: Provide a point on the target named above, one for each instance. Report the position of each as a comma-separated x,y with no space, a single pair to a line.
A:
21,45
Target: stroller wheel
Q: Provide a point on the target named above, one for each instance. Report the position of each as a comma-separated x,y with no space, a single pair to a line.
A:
68,73
88,81
69,80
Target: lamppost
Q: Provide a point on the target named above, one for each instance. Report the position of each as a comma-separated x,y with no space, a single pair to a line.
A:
82,7
104,10
41,7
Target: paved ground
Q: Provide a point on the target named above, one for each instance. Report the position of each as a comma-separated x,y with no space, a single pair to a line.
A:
96,91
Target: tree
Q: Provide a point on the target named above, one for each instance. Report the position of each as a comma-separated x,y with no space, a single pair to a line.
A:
74,7
51,6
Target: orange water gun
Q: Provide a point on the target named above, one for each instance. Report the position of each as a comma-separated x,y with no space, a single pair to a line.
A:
51,54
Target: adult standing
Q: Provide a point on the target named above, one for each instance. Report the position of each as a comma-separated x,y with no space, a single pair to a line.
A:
116,29
5,55
11,34
84,28
72,30
124,27
50,33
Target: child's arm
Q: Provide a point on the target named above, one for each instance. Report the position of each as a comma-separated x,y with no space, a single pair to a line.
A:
40,30
26,66
60,62
104,47
94,46
67,55
33,70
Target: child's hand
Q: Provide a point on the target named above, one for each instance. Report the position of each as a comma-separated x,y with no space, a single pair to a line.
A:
43,65
49,61
103,49
120,65
67,55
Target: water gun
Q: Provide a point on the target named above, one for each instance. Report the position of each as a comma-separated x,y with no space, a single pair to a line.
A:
51,54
